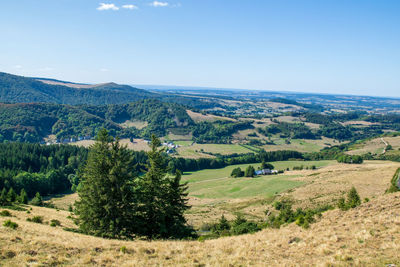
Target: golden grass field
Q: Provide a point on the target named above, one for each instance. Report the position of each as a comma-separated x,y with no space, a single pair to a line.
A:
137,145
375,146
198,117
368,235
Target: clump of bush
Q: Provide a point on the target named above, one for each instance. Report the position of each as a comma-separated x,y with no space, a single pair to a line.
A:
349,159
10,224
239,226
237,172
286,215
55,223
394,183
353,200
5,213
35,219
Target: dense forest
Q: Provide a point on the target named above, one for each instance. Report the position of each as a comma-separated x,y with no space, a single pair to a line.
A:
33,122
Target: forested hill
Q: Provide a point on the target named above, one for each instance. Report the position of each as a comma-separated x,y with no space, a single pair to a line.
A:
18,89
32,122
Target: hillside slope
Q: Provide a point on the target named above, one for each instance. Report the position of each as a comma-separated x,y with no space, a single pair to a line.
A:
34,121
18,89
365,236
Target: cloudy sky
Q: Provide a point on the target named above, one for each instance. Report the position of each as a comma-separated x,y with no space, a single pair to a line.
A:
332,46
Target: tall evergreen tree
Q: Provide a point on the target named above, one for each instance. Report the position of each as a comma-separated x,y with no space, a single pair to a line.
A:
23,197
37,200
11,195
107,205
177,204
250,171
3,197
164,198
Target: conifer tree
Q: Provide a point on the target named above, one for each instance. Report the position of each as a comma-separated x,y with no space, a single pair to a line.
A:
154,189
107,205
250,171
163,198
176,203
3,197
353,199
37,200
11,195
23,197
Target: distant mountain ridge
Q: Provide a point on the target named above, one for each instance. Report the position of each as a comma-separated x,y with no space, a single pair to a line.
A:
19,89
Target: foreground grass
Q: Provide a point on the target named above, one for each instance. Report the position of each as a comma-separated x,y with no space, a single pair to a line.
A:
368,235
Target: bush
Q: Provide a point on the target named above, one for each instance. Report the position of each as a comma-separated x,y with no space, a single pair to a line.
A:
55,223
5,213
353,200
10,224
241,226
394,183
221,227
286,214
35,219
237,172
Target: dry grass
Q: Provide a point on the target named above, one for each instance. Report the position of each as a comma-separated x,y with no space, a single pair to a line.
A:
198,117
134,123
137,145
375,146
366,236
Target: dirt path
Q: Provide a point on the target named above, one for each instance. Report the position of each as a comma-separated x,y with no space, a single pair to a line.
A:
386,145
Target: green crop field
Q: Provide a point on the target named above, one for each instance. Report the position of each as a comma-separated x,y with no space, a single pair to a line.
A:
217,183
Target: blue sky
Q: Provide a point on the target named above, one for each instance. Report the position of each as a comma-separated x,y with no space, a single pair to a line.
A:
329,46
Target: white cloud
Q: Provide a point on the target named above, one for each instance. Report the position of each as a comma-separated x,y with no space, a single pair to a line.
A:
131,7
104,6
159,4
18,67
104,70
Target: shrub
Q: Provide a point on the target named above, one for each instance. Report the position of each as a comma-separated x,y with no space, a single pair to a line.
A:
5,213
221,227
394,183
35,219
10,224
241,226
353,200
55,223
237,172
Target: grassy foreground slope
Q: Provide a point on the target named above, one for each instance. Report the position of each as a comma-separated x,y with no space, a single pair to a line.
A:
365,236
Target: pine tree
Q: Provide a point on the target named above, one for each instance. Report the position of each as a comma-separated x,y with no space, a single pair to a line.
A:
107,205
11,195
250,171
176,203
37,200
3,197
23,197
353,199
154,189
163,198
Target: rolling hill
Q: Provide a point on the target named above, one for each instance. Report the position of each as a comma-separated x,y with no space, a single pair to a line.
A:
18,89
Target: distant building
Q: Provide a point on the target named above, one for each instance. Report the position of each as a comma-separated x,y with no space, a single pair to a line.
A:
266,172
